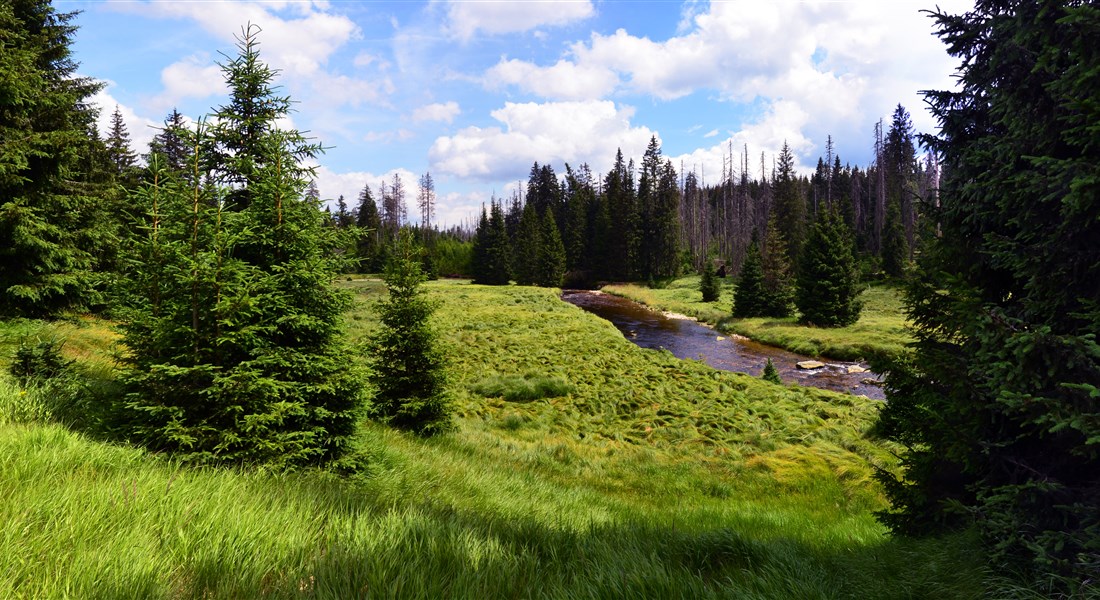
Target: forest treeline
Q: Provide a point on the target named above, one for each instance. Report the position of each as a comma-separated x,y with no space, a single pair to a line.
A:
214,254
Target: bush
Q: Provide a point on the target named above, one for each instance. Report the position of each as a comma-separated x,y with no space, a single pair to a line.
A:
38,362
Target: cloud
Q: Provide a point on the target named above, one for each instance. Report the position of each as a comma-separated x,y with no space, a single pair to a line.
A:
193,77
842,62
782,123
711,133
297,37
575,132
445,112
493,18
562,81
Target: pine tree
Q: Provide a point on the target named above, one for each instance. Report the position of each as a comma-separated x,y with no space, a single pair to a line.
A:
709,285
234,349
790,206
828,282
623,216
408,370
770,374
895,249
527,248
170,143
122,157
778,281
370,233
551,256
492,249
748,297
48,226
997,407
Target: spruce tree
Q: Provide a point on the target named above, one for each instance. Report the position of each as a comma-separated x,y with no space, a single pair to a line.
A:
778,284
48,226
408,369
709,285
770,373
997,407
492,265
895,249
551,256
233,345
790,206
527,248
748,297
828,282
121,155
369,224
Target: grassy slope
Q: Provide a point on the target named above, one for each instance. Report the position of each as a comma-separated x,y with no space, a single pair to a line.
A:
653,478
880,329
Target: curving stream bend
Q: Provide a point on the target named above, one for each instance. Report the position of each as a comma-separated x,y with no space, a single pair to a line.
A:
685,338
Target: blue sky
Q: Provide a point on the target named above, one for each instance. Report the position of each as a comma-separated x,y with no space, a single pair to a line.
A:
476,91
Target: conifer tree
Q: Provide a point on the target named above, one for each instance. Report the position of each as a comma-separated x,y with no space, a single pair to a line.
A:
170,143
368,249
748,297
47,225
121,155
790,206
828,282
895,249
408,369
770,373
709,285
551,255
997,407
234,348
527,248
778,280
492,265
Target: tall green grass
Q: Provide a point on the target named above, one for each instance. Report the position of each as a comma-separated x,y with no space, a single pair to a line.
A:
881,329
644,477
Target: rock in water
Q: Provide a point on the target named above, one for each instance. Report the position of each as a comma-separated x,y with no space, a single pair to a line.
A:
810,364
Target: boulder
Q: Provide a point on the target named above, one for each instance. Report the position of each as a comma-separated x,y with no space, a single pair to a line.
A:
810,364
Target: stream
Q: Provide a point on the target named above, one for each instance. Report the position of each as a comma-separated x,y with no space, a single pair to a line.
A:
685,338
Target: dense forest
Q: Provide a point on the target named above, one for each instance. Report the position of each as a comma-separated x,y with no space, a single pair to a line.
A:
215,255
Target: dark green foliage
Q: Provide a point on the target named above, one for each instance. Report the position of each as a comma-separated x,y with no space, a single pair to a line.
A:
770,374
778,286
658,216
38,361
49,223
621,221
492,250
551,255
895,248
408,369
709,284
527,246
828,281
369,224
790,205
748,298
453,256
998,407
233,340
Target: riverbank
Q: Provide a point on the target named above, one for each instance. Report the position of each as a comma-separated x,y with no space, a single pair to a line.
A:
881,328
636,475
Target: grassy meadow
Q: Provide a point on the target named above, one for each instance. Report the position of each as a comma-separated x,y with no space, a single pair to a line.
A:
881,327
581,467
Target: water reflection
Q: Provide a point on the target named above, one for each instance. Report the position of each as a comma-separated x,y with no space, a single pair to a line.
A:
687,339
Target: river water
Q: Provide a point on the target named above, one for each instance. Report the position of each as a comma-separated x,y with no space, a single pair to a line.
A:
685,338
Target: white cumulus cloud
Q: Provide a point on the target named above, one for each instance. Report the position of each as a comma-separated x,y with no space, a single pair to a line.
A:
439,111
574,132
468,18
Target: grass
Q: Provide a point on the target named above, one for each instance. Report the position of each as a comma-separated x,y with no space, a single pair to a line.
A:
632,475
881,329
